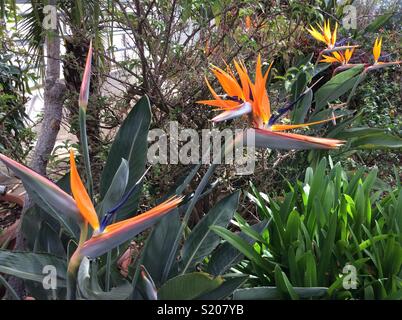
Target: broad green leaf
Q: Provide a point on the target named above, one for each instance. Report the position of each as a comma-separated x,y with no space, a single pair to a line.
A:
292,227
337,86
197,194
359,132
283,284
360,201
303,107
226,256
243,246
260,202
310,275
189,286
327,247
378,141
48,241
31,266
225,289
130,144
159,244
202,240
378,22
147,285
116,189
47,195
299,85
90,289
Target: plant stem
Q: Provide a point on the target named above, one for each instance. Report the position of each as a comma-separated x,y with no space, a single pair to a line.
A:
74,264
72,271
85,150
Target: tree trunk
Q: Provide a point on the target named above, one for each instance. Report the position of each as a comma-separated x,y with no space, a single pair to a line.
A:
54,91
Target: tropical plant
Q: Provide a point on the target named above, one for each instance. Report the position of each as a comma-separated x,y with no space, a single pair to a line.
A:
323,233
58,234
14,90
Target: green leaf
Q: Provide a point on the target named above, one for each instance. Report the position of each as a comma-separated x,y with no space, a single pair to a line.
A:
202,240
378,23
116,189
259,201
48,241
292,227
48,196
189,286
299,85
359,132
310,276
159,244
243,246
225,256
147,285
30,266
360,205
130,144
189,209
327,247
225,289
283,284
378,141
303,107
89,288
337,86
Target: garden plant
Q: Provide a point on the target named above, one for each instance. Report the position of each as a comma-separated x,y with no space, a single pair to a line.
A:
319,218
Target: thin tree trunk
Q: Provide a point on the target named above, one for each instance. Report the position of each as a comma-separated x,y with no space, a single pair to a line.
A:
54,91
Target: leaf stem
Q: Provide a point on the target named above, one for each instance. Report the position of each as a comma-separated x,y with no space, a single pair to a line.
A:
85,150
74,264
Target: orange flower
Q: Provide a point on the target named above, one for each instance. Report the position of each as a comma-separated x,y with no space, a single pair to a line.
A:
377,49
106,237
245,97
339,57
324,34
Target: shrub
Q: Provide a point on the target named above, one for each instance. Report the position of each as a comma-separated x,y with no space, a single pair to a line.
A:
321,231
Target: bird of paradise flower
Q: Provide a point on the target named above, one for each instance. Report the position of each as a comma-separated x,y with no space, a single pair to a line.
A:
325,35
251,98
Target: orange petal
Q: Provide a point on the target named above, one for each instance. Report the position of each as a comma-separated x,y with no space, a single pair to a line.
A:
377,49
81,196
221,104
120,232
334,34
228,83
316,34
244,80
282,127
156,211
